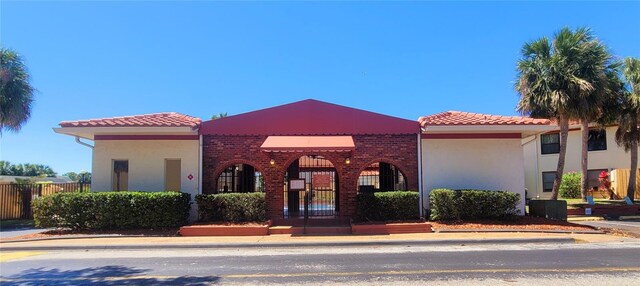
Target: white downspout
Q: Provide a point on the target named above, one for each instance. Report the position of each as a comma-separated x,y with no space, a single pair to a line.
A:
538,179
533,139
200,165
83,143
420,190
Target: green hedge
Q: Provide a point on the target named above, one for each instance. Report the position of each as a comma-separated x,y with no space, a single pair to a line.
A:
472,204
232,207
571,185
112,210
388,206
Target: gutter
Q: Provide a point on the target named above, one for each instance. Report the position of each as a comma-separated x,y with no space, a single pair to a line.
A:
200,165
420,175
83,143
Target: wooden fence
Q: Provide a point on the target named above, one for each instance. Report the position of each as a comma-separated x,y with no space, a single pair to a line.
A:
620,181
15,199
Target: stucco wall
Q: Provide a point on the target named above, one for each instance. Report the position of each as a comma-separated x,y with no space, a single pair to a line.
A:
536,163
146,164
489,164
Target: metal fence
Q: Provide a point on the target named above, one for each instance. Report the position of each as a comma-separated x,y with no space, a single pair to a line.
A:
15,199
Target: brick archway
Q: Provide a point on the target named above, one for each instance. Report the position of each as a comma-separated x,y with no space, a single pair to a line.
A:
383,160
224,165
219,151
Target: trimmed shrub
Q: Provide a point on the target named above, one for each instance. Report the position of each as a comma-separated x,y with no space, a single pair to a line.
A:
448,204
571,185
232,207
388,206
112,210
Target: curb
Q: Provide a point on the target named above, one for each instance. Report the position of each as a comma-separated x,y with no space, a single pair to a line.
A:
408,243
522,230
629,217
67,237
580,219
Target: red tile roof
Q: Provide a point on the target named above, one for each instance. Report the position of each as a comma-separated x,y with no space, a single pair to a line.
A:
165,119
469,118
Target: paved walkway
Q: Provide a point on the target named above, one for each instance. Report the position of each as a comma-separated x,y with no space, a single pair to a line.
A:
9,232
288,240
631,226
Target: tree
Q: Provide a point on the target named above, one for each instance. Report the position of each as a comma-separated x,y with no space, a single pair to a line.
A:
82,177
30,170
628,133
218,116
72,176
16,92
593,67
551,83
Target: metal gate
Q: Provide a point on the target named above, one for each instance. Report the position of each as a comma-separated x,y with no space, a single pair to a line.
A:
311,189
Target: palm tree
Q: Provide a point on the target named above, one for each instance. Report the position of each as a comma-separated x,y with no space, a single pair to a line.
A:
591,64
551,83
218,116
16,92
628,133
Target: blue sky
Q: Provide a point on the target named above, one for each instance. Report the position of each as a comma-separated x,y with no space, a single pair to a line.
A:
406,59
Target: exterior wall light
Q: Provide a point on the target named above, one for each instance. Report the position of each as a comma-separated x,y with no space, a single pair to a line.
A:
347,161
272,162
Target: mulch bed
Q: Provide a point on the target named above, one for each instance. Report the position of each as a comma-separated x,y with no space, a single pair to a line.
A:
523,222
388,222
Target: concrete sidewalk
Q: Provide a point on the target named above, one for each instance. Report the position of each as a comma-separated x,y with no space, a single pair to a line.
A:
122,242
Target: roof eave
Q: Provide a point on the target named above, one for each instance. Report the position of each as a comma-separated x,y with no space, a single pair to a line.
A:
90,132
524,130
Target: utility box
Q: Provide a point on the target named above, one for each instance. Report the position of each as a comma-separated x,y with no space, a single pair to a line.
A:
550,209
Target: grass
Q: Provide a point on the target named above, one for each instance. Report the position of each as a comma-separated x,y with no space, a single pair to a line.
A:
16,223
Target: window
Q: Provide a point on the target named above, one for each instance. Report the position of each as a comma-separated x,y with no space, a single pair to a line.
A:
597,140
547,181
550,143
381,176
593,176
120,178
240,178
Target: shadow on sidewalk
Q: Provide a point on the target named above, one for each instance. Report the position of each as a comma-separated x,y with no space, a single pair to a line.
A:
105,275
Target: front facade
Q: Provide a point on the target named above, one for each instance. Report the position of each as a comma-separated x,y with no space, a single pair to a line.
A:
329,153
311,141
541,157
462,150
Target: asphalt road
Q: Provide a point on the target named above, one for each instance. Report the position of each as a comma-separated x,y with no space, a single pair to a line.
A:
574,264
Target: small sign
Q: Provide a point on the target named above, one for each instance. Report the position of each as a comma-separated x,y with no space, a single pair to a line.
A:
321,181
297,184
590,200
628,201
587,211
190,177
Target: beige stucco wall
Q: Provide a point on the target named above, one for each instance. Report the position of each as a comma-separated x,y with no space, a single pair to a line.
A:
489,164
536,163
146,164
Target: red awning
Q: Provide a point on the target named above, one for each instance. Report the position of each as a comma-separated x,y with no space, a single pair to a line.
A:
308,144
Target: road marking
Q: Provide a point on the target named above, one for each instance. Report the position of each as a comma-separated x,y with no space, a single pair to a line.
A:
335,274
17,255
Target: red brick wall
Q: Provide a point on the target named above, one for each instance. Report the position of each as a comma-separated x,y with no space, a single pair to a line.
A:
221,151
